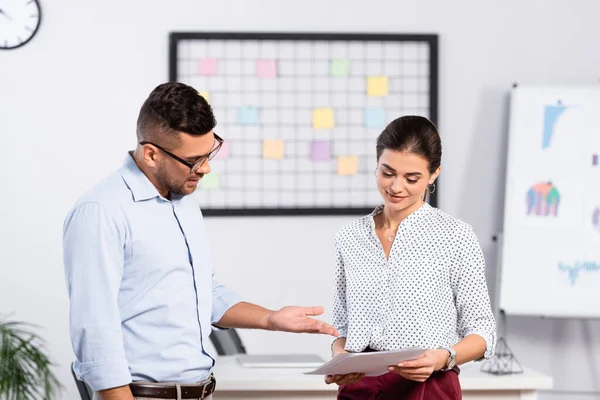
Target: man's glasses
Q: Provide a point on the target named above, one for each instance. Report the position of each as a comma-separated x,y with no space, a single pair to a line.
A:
196,164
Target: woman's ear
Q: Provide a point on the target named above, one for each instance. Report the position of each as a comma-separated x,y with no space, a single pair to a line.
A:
435,175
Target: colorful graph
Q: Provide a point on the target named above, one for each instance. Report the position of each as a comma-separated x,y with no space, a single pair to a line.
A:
574,269
551,115
543,199
596,219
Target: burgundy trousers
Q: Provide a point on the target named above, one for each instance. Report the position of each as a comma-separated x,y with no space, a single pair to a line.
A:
440,386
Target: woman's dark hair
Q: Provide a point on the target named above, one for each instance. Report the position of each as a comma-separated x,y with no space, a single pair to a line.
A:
173,108
413,134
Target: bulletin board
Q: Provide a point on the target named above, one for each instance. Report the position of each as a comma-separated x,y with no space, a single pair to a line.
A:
300,114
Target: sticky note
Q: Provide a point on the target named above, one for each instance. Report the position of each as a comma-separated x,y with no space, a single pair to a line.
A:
339,68
273,149
377,85
247,115
320,150
223,152
210,181
208,66
347,165
374,117
205,95
322,118
266,68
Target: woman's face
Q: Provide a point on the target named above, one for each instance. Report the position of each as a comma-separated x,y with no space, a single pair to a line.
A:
402,178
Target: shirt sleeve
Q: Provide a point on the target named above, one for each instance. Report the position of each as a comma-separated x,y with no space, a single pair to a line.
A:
471,293
223,299
339,314
93,253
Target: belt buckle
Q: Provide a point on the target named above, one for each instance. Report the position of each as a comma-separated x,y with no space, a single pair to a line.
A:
210,386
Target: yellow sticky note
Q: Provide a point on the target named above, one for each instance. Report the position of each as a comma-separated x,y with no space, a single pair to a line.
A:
205,95
273,149
210,181
377,85
347,165
322,118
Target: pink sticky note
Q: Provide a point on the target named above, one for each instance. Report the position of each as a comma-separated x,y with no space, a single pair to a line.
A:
223,152
320,151
208,66
266,68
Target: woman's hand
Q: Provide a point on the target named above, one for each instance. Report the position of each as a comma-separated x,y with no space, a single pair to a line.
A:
421,368
346,379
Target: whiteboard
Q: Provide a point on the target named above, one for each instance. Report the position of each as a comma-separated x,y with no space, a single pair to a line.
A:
300,114
551,237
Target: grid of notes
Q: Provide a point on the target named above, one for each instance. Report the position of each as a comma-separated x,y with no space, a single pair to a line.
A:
300,118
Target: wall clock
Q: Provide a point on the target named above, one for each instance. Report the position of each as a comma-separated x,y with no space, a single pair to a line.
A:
19,22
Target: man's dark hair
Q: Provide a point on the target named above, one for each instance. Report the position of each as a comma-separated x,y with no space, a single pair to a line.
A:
173,108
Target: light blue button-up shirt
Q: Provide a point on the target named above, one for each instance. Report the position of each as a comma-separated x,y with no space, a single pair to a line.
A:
140,283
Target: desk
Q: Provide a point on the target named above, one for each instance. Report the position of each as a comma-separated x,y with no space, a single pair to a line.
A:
237,382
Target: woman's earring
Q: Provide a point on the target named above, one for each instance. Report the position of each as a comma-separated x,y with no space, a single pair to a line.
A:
431,188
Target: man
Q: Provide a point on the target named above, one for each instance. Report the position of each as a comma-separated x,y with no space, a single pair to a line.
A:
142,296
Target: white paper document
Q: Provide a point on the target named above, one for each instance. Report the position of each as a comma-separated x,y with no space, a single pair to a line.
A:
371,364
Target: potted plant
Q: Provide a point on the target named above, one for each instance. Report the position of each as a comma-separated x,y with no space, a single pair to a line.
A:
25,369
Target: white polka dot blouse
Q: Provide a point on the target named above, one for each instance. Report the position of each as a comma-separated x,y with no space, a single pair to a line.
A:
431,292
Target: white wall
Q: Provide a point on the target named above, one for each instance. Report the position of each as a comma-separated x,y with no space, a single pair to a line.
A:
69,100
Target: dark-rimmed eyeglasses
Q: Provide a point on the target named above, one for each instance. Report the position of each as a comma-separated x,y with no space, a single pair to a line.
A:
196,164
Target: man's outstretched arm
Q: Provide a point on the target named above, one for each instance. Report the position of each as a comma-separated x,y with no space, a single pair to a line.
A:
288,319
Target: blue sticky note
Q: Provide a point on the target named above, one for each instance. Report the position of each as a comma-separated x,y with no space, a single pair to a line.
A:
374,117
247,115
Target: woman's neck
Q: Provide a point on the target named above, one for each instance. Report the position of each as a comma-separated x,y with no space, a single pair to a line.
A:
392,219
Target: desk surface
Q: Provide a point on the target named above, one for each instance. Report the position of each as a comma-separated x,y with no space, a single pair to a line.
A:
233,377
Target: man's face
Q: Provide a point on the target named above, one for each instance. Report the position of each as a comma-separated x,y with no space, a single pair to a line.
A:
175,177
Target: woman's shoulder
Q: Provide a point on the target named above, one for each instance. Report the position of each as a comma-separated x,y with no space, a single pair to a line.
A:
443,220
358,227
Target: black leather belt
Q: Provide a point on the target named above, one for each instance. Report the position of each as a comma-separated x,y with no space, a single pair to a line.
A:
169,391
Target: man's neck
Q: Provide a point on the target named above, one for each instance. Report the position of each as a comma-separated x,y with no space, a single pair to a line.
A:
137,158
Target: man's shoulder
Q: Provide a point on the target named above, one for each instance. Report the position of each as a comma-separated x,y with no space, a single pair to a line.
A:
110,193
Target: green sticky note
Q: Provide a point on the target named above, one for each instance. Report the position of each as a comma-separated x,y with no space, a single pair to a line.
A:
211,181
339,67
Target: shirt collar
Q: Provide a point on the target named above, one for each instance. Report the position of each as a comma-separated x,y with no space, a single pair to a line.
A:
138,183
424,209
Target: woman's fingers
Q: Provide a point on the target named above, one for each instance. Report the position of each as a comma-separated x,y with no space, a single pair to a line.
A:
344,379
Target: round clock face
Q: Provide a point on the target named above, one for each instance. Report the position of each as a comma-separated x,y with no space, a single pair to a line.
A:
19,21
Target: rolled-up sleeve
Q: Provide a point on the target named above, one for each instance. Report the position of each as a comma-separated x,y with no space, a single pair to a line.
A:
339,317
475,314
93,252
223,299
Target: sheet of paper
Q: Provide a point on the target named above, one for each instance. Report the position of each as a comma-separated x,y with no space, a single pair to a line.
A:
371,364
266,68
208,66
211,181
273,149
247,115
205,95
377,86
347,165
320,150
323,118
339,67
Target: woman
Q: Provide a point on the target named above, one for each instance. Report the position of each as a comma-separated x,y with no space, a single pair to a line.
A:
410,275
